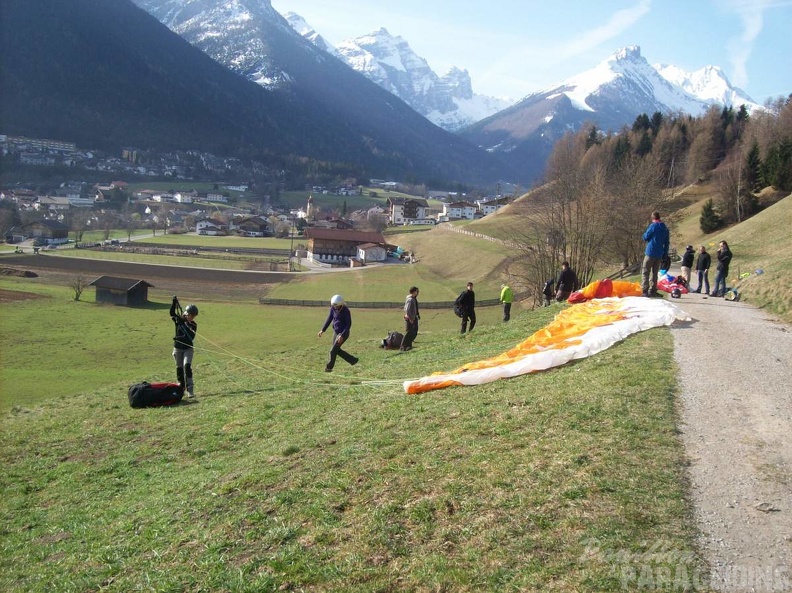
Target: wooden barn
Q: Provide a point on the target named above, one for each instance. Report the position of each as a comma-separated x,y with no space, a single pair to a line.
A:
121,291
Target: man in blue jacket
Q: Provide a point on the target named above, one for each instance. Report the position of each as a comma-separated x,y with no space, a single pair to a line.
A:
657,240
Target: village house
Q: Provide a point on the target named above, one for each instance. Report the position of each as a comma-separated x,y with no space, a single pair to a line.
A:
335,223
403,210
214,196
371,252
52,204
211,227
492,205
251,227
459,211
338,246
48,231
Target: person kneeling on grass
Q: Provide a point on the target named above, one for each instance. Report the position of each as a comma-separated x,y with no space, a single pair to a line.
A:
341,319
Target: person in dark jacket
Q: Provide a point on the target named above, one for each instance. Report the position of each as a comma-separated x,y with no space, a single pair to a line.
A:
410,319
341,319
702,269
467,302
183,350
548,292
567,282
724,259
687,263
657,239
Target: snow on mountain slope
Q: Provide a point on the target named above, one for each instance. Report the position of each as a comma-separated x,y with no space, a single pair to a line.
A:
628,69
709,84
389,61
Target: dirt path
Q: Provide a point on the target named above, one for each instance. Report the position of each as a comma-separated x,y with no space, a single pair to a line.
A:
736,413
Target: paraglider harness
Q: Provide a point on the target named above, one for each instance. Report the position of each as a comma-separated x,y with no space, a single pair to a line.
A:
393,341
185,331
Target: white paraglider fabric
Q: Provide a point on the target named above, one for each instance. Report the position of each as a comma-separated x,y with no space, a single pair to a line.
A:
577,332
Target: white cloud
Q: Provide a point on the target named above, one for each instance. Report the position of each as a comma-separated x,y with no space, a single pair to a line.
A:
751,15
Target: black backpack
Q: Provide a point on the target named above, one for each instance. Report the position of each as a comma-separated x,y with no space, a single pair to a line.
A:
459,310
151,395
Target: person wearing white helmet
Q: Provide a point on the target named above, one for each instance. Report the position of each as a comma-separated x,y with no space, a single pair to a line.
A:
186,328
341,319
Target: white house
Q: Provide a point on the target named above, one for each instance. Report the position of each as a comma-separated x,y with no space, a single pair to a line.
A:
492,205
209,226
403,210
182,198
459,211
214,196
369,252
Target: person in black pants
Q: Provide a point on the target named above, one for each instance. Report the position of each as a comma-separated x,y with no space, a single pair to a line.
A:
410,319
702,269
183,351
567,282
341,318
724,259
467,302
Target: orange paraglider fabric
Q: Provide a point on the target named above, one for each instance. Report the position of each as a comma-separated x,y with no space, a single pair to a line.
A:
576,332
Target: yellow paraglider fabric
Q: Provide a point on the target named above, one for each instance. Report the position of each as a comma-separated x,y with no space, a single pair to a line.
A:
577,332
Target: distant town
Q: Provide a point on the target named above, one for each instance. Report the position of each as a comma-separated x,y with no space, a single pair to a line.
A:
226,208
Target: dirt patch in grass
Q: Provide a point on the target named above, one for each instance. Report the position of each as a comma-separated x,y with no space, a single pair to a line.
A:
13,296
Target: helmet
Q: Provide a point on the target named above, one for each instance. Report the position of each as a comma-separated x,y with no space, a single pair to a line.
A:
676,293
191,309
337,300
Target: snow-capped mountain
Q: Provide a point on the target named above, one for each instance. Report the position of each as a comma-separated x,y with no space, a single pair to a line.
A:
233,32
448,100
611,95
341,113
708,84
308,32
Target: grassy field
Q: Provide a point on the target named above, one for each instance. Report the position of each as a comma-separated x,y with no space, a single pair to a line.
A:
283,477
229,242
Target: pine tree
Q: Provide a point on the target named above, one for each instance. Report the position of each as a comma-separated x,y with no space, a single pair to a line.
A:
709,220
753,169
644,145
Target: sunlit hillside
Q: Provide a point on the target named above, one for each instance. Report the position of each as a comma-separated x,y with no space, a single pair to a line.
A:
763,242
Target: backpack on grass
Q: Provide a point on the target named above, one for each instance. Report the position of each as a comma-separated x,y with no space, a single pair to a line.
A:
393,341
152,395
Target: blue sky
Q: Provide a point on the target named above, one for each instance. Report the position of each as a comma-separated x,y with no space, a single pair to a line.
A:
515,47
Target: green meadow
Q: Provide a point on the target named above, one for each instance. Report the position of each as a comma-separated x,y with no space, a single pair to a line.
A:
282,477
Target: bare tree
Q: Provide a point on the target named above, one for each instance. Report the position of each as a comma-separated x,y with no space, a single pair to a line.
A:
79,223
78,285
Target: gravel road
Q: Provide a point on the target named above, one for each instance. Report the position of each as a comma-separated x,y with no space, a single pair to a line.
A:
735,367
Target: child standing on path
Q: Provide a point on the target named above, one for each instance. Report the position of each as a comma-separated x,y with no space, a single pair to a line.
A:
183,351
341,319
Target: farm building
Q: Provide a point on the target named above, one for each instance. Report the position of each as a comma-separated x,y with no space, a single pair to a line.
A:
121,291
336,246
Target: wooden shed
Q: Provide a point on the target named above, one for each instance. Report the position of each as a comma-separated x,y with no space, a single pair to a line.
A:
121,291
